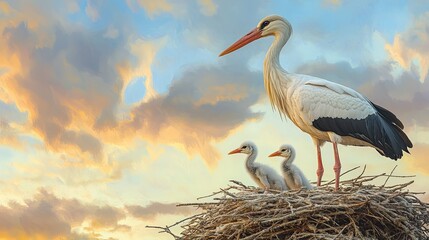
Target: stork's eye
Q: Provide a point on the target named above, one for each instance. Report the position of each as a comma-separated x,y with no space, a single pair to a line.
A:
283,150
264,24
243,147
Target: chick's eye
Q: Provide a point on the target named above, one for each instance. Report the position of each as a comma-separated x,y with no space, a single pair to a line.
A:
264,24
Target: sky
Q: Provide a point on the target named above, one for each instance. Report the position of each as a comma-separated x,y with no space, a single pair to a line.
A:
112,112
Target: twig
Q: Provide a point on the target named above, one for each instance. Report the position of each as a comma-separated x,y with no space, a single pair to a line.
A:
330,182
165,229
387,179
239,184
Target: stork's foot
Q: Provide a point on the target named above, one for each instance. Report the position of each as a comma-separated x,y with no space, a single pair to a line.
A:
266,191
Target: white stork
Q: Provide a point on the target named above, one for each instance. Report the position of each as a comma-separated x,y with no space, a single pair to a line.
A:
263,175
327,111
294,177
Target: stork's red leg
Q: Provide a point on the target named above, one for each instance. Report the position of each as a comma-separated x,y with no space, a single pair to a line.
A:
320,169
337,167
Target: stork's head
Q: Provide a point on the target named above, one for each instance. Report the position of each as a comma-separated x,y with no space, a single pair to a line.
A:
286,151
270,25
246,148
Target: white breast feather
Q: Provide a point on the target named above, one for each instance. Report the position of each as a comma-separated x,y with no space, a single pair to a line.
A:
305,182
272,175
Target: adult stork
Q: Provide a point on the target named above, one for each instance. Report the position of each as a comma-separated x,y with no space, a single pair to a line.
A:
327,111
263,175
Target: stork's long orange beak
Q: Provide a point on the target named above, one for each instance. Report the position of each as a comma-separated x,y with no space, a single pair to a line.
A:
275,154
248,38
238,150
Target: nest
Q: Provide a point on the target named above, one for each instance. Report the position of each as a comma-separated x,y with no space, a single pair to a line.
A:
360,210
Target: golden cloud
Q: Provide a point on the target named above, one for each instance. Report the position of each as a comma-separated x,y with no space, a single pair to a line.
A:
208,7
4,8
176,9
155,7
65,93
9,136
153,209
71,86
190,115
412,45
45,216
335,3
144,52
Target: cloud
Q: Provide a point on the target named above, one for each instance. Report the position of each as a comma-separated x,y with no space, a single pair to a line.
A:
334,3
111,32
46,216
144,52
4,7
204,105
153,8
208,7
175,8
91,11
9,136
411,45
60,89
70,89
106,217
152,210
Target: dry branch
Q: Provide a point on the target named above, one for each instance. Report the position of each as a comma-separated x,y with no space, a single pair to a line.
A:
358,211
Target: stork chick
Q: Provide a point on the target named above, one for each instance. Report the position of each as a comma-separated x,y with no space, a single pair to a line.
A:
264,176
293,176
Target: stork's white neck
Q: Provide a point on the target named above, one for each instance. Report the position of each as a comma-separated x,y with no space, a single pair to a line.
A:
272,59
251,159
276,80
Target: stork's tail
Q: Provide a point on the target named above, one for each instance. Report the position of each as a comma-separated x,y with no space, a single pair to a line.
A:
389,138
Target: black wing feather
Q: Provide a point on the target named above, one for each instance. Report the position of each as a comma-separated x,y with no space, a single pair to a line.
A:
382,129
388,115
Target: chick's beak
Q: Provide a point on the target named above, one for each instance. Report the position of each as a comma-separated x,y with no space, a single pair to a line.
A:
274,154
234,151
